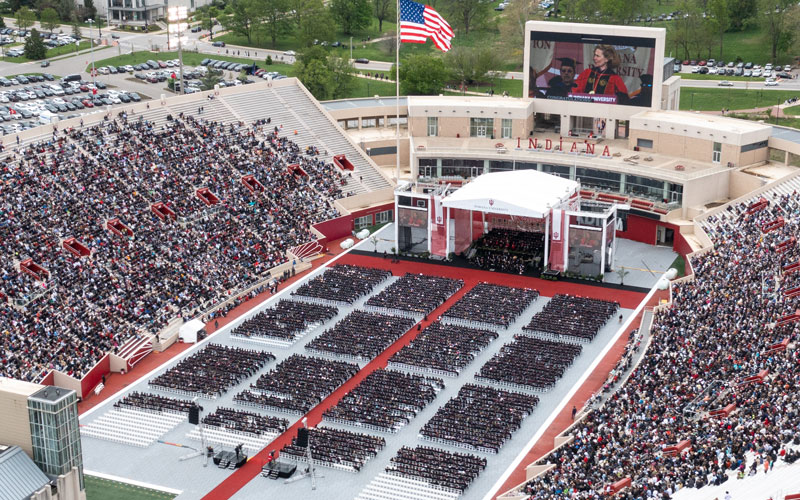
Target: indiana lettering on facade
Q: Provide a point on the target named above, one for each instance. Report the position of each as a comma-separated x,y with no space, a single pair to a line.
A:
547,145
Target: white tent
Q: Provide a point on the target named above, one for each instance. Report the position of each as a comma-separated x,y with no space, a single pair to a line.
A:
188,331
525,193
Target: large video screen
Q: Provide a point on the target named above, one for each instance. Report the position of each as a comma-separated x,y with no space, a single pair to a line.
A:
591,68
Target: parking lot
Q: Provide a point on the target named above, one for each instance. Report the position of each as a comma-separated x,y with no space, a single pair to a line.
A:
157,71
27,101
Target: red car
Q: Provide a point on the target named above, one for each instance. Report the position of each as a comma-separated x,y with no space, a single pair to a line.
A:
84,88
87,103
701,63
686,62
161,64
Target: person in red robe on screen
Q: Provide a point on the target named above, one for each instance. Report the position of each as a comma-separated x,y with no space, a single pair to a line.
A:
602,78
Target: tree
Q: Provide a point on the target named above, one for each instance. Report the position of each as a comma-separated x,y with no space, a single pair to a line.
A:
313,21
719,19
687,32
512,27
246,15
76,32
49,19
621,11
343,78
741,12
352,15
89,10
621,272
275,18
65,9
779,22
384,9
25,18
422,75
34,46
211,78
468,14
317,78
325,76
2,22
469,64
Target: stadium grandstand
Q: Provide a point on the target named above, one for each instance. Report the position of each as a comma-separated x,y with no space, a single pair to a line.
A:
514,331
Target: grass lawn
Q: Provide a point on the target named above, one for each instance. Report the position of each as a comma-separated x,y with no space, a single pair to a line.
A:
513,87
103,489
370,88
794,111
189,59
731,98
54,52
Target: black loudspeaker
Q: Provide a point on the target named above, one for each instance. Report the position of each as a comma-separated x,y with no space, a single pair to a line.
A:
194,415
302,437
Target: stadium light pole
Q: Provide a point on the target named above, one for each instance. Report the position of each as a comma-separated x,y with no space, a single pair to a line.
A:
91,47
176,16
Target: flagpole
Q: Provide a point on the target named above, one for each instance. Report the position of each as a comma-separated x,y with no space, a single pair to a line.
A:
397,93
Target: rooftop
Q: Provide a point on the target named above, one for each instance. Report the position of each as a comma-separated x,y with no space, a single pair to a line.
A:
52,394
10,385
703,120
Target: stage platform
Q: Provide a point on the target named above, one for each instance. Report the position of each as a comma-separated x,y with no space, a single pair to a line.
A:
645,263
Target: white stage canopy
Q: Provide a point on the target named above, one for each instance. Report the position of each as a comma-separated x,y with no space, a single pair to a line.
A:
524,193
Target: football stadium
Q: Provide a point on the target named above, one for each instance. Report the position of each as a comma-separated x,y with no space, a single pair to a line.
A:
247,293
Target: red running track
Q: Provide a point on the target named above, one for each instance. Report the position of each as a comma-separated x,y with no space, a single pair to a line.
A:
239,478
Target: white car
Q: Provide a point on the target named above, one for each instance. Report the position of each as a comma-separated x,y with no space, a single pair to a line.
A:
767,73
771,82
725,83
58,100
757,72
713,70
767,66
290,53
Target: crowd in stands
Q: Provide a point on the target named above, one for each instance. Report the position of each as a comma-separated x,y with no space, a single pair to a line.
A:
530,362
297,384
443,348
386,400
343,284
337,448
212,371
508,250
286,320
454,471
568,317
361,335
245,421
415,294
153,402
491,304
69,185
717,332
480,418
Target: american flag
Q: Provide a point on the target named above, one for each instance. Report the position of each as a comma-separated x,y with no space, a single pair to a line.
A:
419,22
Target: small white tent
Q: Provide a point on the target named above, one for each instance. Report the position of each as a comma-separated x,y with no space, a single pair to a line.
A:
188,332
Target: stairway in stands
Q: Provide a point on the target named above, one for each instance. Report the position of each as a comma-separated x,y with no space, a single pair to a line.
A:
334,139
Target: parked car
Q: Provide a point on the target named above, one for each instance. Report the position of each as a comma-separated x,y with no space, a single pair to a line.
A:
748,65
